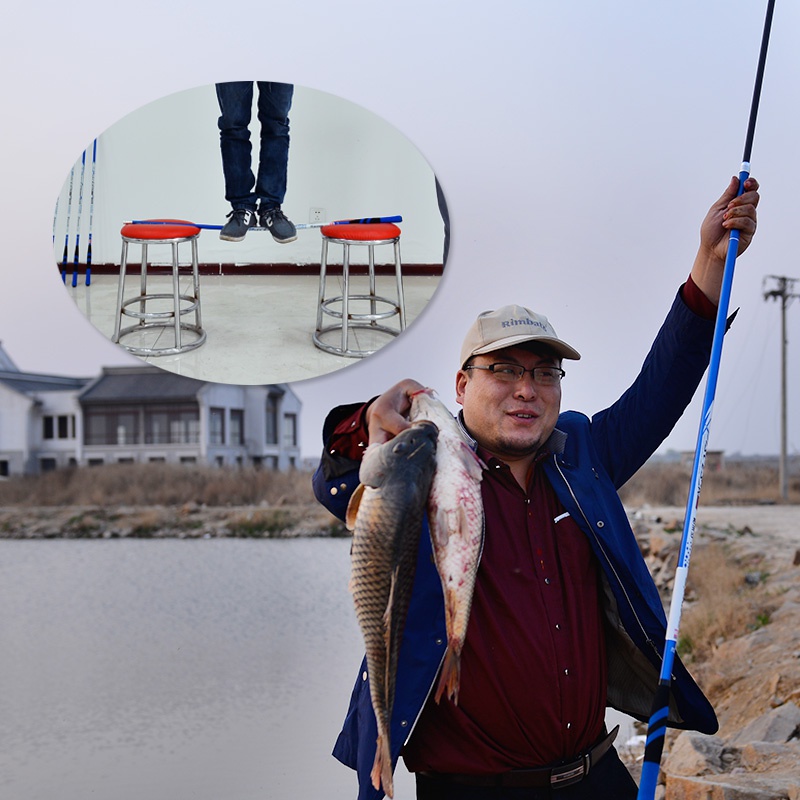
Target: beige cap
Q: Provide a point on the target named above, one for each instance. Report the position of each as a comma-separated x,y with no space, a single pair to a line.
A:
510,326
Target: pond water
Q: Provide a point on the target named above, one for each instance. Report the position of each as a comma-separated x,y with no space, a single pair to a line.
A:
176,670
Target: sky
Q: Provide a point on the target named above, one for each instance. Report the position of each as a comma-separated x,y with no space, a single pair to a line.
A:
579,145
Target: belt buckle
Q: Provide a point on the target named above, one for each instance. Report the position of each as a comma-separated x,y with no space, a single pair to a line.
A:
569,774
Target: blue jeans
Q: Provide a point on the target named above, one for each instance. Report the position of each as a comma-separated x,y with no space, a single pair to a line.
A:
607,780
236,102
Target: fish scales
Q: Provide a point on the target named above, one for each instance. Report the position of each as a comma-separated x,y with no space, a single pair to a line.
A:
385,514
455,517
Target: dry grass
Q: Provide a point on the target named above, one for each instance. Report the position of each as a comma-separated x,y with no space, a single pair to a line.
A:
158,484
744,483
728,599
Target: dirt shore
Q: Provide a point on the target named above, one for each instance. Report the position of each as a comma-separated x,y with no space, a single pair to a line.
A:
752,679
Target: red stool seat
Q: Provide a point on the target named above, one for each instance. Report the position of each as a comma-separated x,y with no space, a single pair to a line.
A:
162,229
360,232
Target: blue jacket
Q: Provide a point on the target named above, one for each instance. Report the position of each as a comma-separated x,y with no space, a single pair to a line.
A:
590,459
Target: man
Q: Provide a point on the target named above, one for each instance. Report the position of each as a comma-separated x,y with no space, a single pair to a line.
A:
565,618
255,200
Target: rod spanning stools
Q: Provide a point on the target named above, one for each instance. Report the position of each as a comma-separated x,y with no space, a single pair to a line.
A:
363,235
161,232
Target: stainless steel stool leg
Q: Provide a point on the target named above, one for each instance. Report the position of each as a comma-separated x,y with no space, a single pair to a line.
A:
345,294
323,268
176,294
398,271
123,262
143,282
373,306
196,279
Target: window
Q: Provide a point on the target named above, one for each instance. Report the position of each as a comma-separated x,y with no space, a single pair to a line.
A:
3,468
188,460
172,425
61,427
47,464
112,425
237,426
64,426
216,424
272,419
290,430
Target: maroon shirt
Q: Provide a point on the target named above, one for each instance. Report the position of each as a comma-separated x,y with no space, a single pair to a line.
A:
533,668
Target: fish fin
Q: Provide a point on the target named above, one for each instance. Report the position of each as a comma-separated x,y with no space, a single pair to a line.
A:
352,507
450,677
382,767
463,523
473,463
439,528
387,626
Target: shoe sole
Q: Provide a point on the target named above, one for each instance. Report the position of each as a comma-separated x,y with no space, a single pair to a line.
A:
231,238
284,241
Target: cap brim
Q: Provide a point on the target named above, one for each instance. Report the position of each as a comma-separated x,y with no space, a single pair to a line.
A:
560,347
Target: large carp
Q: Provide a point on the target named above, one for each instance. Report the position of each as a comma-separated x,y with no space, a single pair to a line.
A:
385,514
455,517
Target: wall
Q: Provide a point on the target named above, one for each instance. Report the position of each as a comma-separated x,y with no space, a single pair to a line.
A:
163,160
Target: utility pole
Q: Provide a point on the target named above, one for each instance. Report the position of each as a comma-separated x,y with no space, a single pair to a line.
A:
782,290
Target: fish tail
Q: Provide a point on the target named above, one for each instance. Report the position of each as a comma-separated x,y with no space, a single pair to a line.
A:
450,678
382,768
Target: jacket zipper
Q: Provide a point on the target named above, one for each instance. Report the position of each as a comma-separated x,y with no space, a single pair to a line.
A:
608,560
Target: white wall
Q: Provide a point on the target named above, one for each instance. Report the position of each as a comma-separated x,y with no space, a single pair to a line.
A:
163,160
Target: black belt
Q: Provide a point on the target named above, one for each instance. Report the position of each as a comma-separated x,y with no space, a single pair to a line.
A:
554,777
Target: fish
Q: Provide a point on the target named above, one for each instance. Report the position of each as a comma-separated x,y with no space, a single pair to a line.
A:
385,514
456,521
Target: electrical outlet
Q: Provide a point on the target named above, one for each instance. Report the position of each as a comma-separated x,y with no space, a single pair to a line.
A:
316,215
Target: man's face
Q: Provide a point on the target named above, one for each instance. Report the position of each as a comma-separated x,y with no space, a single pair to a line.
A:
514,419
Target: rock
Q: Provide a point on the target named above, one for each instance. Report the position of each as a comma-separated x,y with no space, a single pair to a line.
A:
744,787
695,754
779,725
770,757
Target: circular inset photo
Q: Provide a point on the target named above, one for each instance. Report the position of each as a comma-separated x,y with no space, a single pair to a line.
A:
251,232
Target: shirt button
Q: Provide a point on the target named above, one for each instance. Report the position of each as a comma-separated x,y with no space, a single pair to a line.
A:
364,675
558,627
342,486
566,672
440,641
404,723
569,725
547,581
600,523
334,490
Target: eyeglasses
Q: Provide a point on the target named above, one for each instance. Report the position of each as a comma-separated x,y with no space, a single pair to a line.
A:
510,373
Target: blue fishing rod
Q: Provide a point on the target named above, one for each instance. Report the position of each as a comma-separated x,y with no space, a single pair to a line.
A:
302,226
657,726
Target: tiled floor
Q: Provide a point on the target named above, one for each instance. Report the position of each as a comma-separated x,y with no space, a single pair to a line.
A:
258,327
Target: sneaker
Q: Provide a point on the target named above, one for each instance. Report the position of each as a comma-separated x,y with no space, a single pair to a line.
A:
274,220
240,220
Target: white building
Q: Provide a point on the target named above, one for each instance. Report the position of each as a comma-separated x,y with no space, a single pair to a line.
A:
141,414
